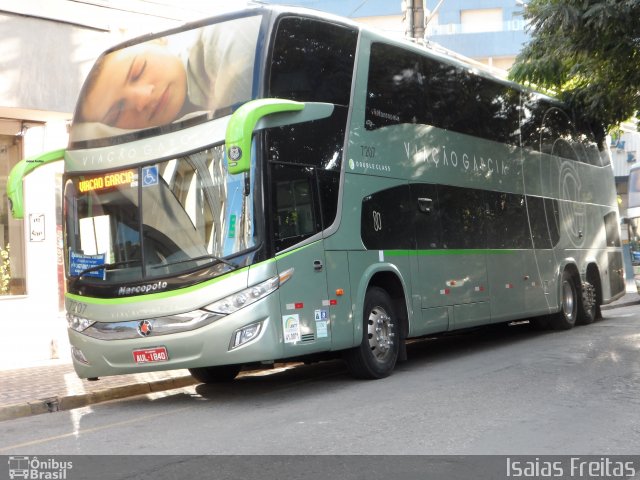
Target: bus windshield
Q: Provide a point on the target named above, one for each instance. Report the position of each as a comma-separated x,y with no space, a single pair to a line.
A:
171,81
157,220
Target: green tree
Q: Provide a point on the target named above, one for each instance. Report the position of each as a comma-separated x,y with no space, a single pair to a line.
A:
588,51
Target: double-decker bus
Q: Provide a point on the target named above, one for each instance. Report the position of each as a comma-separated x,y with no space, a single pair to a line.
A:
279,184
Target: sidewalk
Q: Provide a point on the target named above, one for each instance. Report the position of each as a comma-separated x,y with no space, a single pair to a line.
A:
53,386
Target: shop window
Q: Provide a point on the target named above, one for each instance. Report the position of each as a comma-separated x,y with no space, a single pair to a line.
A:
12,265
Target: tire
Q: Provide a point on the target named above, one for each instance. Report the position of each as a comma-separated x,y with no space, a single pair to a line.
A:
588,307
377,354
221,374
568,314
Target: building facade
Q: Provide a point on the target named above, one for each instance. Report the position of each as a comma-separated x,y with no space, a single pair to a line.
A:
46,50
489,31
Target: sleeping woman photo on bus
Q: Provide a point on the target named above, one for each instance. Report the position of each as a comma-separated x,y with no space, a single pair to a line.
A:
159,81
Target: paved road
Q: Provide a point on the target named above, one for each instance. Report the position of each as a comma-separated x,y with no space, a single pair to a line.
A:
494,391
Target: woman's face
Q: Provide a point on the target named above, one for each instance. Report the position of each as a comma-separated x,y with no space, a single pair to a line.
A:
138,87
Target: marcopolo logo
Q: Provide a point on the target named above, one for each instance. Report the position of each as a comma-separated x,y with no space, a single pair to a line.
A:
38,469
142,289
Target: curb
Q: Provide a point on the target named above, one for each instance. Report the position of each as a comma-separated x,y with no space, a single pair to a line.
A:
69,402
611,306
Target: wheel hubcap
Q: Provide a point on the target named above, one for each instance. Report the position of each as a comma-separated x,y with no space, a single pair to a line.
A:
568,300
381,333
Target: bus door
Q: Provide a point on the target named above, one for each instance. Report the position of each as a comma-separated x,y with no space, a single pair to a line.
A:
304,303
452,268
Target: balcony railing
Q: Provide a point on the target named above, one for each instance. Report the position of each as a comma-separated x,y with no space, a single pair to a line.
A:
459,28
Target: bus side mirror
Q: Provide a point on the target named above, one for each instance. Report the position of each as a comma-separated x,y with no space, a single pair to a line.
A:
21,170
242,124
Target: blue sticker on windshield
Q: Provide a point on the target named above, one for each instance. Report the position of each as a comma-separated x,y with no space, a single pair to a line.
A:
79,263
149,176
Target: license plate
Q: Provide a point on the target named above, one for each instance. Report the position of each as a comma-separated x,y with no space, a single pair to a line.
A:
150,355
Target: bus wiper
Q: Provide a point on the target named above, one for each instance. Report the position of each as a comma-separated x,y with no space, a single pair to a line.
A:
203,257
108,265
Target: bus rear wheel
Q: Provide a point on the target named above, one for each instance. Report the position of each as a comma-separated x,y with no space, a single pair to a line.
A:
566,317
377,354
588,307
221,374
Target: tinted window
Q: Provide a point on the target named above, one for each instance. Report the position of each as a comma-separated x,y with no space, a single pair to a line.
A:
507,224
547,128
427,216
318,143
551,208
438,216
634,187
407,87
329,188
462,217
538,220
312,61
612,229
304,163
296,214
395,91
463,102
387,219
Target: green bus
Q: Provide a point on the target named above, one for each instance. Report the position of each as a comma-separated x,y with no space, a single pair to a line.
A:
276,184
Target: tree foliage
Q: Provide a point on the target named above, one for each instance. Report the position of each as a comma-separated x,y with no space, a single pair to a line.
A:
588,51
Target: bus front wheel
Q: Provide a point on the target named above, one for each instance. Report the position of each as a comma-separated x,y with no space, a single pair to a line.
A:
377,354
566,317
221,374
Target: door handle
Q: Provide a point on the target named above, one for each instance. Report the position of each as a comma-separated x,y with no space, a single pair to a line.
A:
425,204
317,265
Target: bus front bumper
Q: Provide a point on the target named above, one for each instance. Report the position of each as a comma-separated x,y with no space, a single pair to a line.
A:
210,345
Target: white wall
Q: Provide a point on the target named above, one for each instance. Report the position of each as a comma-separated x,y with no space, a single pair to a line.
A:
33,327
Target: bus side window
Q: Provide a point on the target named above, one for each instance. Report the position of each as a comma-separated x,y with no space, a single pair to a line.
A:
611,229
387,219
296,214
547,128
309,153
463,215
552,210
507,215
394,88
427,216
312,61
538,219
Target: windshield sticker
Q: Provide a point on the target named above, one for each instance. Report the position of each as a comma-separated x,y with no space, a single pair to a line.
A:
291,327
150,176
79,263
232,226
321,317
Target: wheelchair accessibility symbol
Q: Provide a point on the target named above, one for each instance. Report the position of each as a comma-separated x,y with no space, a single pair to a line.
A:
149,176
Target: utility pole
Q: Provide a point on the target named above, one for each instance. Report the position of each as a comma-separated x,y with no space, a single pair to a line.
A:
413,18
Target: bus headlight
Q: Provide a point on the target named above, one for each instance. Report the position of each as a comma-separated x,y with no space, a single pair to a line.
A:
79,324
245,297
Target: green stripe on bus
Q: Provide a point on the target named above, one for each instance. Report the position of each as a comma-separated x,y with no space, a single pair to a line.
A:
438,253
